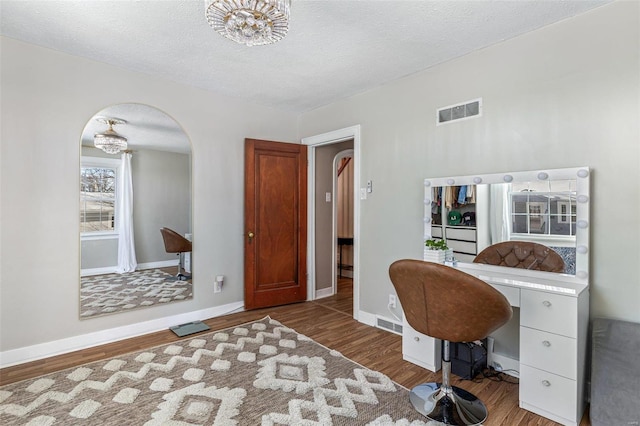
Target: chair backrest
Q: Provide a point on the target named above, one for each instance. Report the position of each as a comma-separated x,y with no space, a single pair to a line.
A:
174,242
446,303
522,254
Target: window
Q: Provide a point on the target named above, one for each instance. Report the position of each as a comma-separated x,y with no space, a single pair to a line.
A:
98,180
543,209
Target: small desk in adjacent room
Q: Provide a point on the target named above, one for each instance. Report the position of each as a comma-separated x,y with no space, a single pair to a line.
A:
343,241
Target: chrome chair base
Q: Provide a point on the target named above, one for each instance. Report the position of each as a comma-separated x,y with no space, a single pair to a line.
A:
179,277
453,406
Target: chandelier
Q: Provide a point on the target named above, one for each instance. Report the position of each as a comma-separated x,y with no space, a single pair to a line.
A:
109,141
249,22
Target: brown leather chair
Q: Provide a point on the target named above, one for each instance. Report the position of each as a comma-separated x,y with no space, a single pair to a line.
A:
176,243
453,306
522,254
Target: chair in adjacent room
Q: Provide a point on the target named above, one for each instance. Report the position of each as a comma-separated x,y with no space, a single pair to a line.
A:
453,306
176,243
522,254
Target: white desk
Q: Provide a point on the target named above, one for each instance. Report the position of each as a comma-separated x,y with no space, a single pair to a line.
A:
554,318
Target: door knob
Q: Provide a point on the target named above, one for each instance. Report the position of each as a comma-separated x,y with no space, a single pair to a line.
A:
250,235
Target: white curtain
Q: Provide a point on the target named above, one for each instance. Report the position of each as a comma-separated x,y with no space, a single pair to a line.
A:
126,247
499,220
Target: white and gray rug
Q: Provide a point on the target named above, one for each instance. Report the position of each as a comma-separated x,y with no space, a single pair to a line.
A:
260,373
111,293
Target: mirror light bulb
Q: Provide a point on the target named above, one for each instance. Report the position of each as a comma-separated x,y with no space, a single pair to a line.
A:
477,180
582,224
583,173
507,178
582,274
583,198
450,181
543,176
582,249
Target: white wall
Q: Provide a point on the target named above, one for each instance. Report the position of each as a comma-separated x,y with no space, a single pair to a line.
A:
563,96
161,198
47,98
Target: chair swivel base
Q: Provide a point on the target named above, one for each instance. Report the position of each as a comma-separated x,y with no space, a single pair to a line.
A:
453,407
179,277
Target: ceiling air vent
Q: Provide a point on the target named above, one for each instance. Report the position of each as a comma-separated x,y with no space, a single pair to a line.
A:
461,111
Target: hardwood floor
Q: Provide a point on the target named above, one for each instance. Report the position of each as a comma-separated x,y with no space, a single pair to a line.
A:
329,321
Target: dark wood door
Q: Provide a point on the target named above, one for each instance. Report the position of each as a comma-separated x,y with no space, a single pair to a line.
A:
275,269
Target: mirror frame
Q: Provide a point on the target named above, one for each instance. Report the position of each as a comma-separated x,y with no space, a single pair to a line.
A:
580,174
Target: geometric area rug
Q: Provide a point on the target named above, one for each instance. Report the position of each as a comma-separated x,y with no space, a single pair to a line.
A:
111,293
259,373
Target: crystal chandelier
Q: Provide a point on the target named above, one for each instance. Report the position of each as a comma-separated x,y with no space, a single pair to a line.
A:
109,141
250,22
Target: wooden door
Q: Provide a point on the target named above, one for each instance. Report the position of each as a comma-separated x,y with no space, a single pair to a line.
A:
275,268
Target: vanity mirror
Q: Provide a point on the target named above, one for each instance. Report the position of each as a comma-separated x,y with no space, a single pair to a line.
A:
549,207
135,178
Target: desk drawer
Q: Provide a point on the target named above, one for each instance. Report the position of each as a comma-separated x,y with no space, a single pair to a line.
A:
463,246
511,293
552,393
420,349
550,352
549,312
461,234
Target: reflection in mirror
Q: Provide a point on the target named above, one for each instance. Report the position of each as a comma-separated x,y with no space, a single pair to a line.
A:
474,212
126,196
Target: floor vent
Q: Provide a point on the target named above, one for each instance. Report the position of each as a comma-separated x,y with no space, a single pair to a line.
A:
461,111
391,326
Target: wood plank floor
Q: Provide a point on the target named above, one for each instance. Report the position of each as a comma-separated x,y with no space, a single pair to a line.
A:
330,322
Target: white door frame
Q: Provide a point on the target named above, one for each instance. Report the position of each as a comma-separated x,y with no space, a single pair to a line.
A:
314,142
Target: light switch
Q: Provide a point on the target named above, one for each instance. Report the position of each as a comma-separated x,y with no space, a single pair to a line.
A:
327,197
369,186
363,193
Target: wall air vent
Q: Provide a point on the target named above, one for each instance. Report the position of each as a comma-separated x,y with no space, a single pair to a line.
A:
458,112
391,326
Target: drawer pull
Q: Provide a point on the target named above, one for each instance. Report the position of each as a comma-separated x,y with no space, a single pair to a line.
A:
546,383
546,343
546,303
417,339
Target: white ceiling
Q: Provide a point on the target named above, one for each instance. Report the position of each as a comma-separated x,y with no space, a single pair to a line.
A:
145,128
334,49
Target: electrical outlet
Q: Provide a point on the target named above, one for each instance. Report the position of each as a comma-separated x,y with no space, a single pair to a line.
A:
217,286
392,301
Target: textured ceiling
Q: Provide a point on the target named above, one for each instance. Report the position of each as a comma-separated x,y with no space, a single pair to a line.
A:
334,49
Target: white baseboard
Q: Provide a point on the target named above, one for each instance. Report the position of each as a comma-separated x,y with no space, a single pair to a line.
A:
510,366
113,269
160,264
84,341
367,318
98,271
324,292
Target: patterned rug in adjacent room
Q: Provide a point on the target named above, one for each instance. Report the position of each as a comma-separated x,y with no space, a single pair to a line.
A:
260,373
107,294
